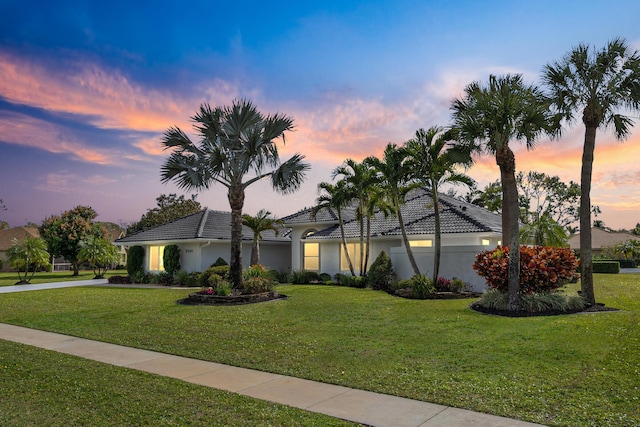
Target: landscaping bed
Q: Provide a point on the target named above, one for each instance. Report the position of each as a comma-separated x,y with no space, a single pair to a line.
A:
198,298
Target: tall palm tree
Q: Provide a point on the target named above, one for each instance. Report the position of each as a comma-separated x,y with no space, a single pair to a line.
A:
236,149
395,177
485,121
433,162
359,181
334,197
263,221
596,84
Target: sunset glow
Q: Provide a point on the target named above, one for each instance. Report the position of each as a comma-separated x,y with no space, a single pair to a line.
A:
84,101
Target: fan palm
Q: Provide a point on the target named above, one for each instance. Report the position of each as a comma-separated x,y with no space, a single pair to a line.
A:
485,121
395,177
596,85
236,149
263,221
433,162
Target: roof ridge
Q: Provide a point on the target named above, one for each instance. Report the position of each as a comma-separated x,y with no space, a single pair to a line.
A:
203,221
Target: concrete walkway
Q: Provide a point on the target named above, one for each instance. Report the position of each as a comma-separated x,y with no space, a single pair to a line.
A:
364,407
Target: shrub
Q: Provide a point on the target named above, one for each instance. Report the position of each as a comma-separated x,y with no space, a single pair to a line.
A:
161,278
304,277
324,277
281,276
611,267
442,285
135,262
257,284
400,284
542,268
222,271
171,259
351,281
534,303
422,286
183,278
223,288
257,270
121,280
219,262
381,273
138,277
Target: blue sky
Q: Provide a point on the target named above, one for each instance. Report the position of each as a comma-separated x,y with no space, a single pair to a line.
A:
87,88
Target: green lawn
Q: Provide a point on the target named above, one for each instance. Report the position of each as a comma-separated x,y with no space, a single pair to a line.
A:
10,278
575,370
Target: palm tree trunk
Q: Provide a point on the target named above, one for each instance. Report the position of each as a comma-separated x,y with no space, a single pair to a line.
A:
405,239
586,262
344,243
507,163
438,242
361,221
236,202
366,252
255,251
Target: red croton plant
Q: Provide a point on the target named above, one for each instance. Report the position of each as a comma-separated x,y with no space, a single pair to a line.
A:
542,268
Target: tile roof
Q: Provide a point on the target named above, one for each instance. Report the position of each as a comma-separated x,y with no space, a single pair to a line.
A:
204,225
7,236
602,238
456,216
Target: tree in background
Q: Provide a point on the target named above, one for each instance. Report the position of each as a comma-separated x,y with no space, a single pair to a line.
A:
263,221
4,225
236,149
544,231
486,120
169,207
433,161
64,233
28,256
100,253
594,85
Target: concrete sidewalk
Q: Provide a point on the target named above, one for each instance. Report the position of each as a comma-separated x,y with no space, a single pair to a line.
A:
55,285
364,407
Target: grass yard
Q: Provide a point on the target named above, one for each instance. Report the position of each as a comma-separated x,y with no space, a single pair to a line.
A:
574,370
10,278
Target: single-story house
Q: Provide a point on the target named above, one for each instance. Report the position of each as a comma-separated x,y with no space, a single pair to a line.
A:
203,237
466,230
6,241
601,239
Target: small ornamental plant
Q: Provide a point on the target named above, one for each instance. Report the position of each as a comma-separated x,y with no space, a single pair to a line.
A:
542,268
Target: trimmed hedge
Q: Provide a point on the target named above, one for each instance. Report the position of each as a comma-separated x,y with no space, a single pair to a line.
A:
627,263
135,261
171,259
610,267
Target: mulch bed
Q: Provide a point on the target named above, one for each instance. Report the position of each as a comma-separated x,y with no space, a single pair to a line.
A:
204,299
597,308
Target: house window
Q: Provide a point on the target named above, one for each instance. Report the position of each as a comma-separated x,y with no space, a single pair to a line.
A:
354,254
486,242
421,243
311,259
156,254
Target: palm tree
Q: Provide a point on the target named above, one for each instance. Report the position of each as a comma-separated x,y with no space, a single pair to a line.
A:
544,231
433,162
359,181
395,177
596,85
485,121
28,256
236,149
334,197
263,221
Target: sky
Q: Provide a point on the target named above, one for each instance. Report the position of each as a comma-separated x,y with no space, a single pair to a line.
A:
87,89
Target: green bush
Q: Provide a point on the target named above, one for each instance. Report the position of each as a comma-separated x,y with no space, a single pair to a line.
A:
627,263
351,281
381,274
219,262
159,278
223,288
257,284
183,278
422,286
138,277
534,303
281,276
611,267
325,277
222,271
135,262
171,259
304,277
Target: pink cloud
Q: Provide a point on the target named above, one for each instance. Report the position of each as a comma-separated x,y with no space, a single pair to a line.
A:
24,130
